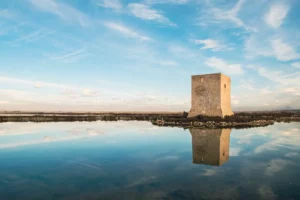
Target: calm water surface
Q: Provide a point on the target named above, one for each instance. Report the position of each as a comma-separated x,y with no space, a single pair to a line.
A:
135,160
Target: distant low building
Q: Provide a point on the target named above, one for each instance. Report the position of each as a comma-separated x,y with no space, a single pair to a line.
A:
211,95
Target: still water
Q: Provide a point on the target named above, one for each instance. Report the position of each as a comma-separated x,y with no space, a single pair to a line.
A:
135,160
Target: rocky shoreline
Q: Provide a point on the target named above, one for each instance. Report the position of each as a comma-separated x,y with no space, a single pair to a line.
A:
212,124
237,121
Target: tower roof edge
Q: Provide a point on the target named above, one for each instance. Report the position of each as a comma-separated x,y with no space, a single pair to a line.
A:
221,74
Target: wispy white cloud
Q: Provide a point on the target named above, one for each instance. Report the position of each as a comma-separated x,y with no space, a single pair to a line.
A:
71,56
289,75
34,36
296,65
212,44
114,4
279,138
223,66
209,172
291,154
167,1
282,92
63,11
257,45
145,12
275,166
269,146
276,14
277,76
217,15
46,139
126,31
284,51
11,129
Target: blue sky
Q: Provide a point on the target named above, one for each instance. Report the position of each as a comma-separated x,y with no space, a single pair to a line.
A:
117,55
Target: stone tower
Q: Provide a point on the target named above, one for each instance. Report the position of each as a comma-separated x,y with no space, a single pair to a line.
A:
210,146
211,95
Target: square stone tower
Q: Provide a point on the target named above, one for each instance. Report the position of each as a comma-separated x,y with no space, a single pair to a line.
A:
211,95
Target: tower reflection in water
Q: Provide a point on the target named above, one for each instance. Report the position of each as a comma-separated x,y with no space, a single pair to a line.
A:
210,146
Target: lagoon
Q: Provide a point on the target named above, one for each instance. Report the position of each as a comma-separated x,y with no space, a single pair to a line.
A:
136,160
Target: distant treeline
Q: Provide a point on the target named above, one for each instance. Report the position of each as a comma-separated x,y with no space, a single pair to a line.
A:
40,118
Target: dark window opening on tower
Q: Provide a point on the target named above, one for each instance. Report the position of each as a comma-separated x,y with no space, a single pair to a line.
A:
224,85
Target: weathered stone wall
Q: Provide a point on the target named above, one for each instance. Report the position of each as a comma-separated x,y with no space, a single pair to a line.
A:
210,146
206,95
209,97
226,95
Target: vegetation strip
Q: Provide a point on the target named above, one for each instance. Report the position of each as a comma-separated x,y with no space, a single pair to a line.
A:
239,120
